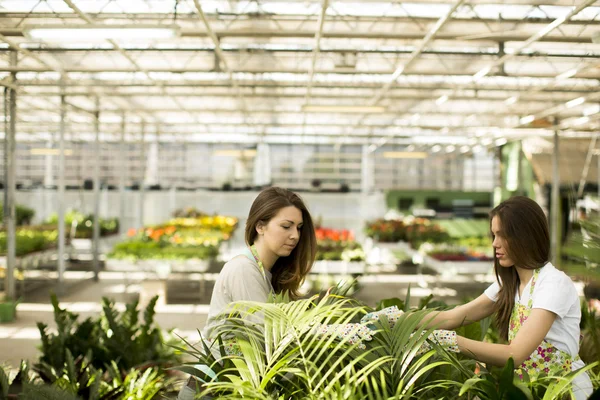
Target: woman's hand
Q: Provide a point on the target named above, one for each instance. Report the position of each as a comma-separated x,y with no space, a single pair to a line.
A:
392,313
350,333
446,339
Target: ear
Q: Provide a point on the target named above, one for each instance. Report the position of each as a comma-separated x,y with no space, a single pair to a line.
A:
260,228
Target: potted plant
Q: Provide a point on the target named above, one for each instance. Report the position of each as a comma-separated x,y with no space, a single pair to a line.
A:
8,309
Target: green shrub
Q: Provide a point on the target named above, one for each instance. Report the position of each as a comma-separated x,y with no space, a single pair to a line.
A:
29,241
23,214
114,336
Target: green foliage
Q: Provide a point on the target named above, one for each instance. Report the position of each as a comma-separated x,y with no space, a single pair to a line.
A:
582,251
85,224
8,387
339,250
415,231
589,349
466,228
188,212
79,380
132,342
142,250
283,358
114,336
78,377
29,241
23,215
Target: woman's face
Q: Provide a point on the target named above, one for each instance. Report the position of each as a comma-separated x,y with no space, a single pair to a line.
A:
282,233
500,244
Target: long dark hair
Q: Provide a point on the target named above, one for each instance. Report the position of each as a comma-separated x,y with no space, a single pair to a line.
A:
525,229
288,272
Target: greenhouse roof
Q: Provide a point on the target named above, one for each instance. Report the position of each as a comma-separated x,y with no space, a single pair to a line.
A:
468,73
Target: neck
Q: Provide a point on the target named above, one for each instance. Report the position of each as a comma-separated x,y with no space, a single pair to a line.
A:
267,257
524,274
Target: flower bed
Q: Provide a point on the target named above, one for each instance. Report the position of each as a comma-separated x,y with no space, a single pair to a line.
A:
178,239
412,230
338,245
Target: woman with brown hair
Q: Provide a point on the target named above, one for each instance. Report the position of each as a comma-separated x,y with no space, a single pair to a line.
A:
537,307
281,249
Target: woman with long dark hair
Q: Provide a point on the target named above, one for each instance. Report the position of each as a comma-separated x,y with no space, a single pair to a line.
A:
280,251
537,307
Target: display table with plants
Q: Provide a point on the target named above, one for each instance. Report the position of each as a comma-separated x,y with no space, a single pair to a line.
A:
338,253
414,231
35,244
35,248
80,230
449,247
81,226
179,245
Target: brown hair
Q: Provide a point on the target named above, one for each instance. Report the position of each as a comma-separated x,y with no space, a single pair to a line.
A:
288,272
524,227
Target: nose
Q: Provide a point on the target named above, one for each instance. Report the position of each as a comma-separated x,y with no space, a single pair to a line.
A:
495,243
294,234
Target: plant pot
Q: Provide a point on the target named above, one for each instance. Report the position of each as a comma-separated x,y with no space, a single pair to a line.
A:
8,311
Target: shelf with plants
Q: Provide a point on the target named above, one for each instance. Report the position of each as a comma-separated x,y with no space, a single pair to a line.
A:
35,244
467,251
183,244
338,252
414,231
82,226
457,246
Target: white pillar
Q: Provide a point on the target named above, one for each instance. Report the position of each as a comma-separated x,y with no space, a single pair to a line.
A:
142,175
151,173
61,188
49,165
262,165
555,214
10,173
124,159
96,226
367,182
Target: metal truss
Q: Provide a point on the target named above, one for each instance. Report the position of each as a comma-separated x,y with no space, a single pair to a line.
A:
453,67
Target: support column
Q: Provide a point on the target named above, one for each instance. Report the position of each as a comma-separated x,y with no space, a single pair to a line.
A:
367,182
125,167
142,175
555,208
262,165
586,166
49,165
10,172
61,188
96,222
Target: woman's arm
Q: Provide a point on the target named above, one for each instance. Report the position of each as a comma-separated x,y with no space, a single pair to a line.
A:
531,334
465,314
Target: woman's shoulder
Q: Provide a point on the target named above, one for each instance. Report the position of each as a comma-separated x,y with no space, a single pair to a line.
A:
550,276
239,264
550,273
